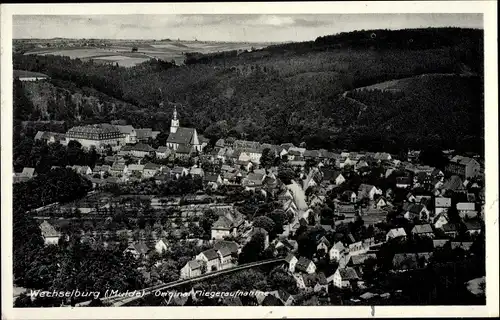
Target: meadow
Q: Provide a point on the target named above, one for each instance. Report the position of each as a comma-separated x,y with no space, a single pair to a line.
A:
120,52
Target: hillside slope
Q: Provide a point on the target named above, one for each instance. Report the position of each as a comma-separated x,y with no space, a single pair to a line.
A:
292,92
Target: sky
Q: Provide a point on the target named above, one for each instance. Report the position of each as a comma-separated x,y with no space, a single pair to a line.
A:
226,27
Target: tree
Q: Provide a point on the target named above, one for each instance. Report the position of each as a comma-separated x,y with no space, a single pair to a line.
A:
281,279
253,249
286,174
307,243
434,157
280,219
168,271
265,223
206,221
267,158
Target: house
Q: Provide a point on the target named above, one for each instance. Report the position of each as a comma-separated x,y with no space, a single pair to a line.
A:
337,250
344,260
211,258
441,204
345,277
102,169
450,229
382,156
51,137
118,169
293,154
291,260
367,191
466,209
396,233
311,154
314,282
270,183
285,195
305,265
25,175
410,198
139,150
23,75
348,211
472,227
212,180
350,196
144,134
285,297
454,184
332,176
183,151
461,245
253,180
137,249
321,283
178,172
360,259
162,152
49,233
423,230
161,245
372,216
381,202
150,170
403,182
197,172
316,200
228,224
323,244
464,167
191,269
297,164
440,220
361,164
415,210
225,256
439,243
289,245
232,246
83,170
128,132
136,169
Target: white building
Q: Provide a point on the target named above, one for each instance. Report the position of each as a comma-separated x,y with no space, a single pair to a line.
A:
97,135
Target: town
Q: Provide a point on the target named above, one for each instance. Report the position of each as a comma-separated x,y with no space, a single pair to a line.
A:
346,223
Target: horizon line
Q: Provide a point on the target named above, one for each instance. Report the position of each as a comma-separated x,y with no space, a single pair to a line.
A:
251,42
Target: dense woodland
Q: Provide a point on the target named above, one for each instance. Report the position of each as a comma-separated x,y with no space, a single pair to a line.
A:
289,92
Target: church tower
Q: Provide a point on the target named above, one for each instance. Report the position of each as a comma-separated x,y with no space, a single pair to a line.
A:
174,124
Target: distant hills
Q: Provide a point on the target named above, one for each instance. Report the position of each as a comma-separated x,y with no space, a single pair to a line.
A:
303,92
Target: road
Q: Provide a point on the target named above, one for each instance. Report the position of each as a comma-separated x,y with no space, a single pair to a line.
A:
120,301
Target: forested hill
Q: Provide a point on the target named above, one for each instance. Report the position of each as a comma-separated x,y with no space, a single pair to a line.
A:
293,92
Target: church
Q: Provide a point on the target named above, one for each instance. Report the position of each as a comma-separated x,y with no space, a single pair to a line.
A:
186,138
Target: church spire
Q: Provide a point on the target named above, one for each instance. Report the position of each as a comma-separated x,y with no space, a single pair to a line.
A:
174,124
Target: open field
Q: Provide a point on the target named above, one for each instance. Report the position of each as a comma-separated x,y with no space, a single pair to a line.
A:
406,83
122,61
121,51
